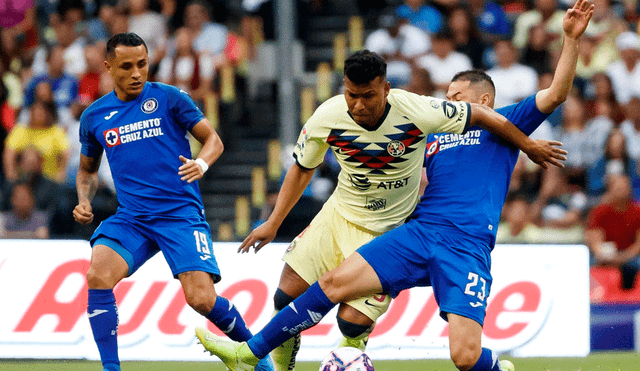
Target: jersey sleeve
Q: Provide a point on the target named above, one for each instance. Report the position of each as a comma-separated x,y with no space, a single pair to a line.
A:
90,146
183,108
311,145
524,114
442,116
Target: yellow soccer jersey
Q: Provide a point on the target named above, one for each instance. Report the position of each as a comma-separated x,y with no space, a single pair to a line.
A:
380,168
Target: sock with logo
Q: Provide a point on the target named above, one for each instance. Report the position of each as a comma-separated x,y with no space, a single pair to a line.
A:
227,318
301,314
488,361
103,317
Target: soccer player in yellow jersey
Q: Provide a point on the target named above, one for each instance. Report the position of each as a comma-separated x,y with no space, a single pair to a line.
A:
378,136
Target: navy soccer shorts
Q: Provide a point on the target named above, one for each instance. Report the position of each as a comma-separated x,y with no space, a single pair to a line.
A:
418,254
185,242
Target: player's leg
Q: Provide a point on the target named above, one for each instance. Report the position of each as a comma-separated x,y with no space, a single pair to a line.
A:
290,287
192,261
354,326
467,352
119,249
107,268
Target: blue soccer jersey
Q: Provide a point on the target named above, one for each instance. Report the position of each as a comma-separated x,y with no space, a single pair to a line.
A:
469,175
143,140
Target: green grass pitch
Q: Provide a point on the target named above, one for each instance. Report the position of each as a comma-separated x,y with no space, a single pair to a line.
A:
605,361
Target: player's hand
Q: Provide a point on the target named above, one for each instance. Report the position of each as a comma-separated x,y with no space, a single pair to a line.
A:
577,18
190,170
262,235
83,213
545,152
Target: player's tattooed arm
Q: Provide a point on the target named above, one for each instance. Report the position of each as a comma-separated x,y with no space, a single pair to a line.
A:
86,187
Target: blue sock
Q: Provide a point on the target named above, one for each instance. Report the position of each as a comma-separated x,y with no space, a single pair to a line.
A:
303,313
488,361
103,317
227,318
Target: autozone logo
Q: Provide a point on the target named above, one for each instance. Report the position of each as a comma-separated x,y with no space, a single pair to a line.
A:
515,313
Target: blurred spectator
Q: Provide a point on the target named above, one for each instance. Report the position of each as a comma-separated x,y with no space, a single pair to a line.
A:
590,61
443,62
422,15
602,100
151,26
208,37
42,133
631,127
64,86
23,220
7,120
420,83
613,230
89,86
545,13
615,161
69,39
185,68
13,95
536,53
561,202
400,44
98,29
491,19
625,73
517,226
513,80
584,140
467,38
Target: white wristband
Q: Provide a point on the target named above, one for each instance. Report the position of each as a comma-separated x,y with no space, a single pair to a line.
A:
203,165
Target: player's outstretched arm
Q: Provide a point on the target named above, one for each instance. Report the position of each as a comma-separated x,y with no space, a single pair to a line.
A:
86,186
541,152
295,182
574,24
212,147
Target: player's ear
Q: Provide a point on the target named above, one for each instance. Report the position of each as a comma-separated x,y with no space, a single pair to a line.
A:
485,99
107,66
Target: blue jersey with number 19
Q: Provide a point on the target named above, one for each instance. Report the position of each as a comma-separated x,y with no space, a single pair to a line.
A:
469,175
143,140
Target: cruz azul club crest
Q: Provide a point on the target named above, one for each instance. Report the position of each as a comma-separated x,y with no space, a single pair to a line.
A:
150,105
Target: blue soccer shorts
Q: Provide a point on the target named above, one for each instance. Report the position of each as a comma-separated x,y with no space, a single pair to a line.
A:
418,254
185,242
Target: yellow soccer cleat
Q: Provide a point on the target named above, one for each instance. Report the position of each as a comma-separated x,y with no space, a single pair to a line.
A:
506,365
236,356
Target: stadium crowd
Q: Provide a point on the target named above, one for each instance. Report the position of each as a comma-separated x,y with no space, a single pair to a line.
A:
51,68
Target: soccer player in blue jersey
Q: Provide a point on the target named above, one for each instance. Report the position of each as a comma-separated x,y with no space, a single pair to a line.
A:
448,242
142,126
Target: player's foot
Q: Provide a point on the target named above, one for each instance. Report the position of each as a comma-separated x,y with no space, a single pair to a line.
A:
358,343
111,367
506,365
236,356
284,356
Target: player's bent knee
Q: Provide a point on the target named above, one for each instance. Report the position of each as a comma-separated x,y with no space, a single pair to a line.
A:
464,357
100,279
353,330
200,301
331,288
281,299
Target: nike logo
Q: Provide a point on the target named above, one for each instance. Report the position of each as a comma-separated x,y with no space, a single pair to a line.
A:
110,115
369,304
476,304
231,326
205,257
97,312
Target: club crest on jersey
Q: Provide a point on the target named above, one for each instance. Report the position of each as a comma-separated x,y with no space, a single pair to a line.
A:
433,148
396,148
150,105
111,137
434,104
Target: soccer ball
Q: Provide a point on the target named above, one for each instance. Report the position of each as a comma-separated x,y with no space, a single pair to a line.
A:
346,359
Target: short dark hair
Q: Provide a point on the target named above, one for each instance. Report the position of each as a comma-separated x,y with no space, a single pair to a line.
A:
126,39
475,77
364,66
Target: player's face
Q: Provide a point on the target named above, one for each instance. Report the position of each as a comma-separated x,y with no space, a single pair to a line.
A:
464,91
129,67
366,102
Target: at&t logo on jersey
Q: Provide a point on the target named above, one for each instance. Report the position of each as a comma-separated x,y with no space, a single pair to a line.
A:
150,105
